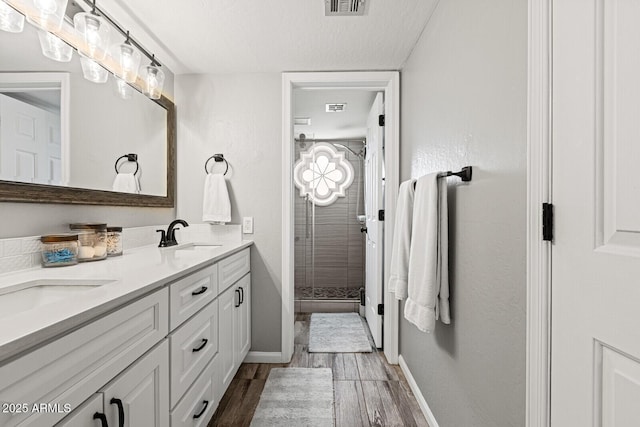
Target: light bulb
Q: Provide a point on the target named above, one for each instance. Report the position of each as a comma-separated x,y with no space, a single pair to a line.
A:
50,14
123,90
154,80
54,48
93,71
95,31
10,20
129,60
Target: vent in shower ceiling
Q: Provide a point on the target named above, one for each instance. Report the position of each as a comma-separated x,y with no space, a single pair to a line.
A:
335,108
344,7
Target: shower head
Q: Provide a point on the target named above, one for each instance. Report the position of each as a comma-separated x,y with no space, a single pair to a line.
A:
359,154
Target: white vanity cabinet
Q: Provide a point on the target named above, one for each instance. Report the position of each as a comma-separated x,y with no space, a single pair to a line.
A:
235,315
71,369
163,360
138,397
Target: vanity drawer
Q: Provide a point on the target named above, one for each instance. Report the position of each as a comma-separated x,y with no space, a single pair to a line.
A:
188,295
193,345
73,367
203,393
83,416
232,268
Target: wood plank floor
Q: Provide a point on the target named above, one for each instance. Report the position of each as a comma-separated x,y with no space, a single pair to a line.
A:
368,391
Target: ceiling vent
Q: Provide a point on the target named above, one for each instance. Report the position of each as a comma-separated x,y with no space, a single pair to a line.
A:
344,7
335,108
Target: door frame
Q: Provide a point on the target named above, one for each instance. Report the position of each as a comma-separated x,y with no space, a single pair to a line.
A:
539,179
384,81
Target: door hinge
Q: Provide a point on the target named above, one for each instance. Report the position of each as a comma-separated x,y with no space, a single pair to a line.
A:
381,309
381,215
547,222
381,120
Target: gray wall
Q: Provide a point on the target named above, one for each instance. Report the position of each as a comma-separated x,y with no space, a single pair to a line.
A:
339,244
240,116
464,91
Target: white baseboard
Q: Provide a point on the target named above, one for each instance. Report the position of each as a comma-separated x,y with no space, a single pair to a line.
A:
263,357
431,419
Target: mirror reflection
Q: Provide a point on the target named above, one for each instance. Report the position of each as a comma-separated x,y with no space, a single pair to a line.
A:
58,128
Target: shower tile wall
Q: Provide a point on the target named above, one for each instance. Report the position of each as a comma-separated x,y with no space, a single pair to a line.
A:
339,245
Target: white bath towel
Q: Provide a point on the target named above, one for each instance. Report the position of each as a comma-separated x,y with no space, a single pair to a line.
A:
399,270
216,206
428,286
126,183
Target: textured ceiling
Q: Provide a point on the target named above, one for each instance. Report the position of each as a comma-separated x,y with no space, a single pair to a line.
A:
226,36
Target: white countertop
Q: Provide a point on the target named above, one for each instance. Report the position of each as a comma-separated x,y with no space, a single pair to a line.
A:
138,272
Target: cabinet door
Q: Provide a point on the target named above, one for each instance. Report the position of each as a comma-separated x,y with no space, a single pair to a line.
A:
141,393
83,416
242,325
228,302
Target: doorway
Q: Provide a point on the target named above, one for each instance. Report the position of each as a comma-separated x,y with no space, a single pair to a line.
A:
297,205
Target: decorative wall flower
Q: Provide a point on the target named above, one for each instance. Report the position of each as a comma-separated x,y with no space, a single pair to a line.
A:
323,173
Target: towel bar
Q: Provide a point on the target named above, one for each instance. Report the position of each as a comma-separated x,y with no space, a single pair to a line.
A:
130,158
217,158
464,174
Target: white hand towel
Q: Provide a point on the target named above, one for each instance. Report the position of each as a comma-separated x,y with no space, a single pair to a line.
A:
399,270
216,206
126,183
428,286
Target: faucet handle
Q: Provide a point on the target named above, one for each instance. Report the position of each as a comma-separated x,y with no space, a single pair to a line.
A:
163,239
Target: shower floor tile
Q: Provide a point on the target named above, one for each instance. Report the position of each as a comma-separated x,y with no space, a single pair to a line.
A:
327,293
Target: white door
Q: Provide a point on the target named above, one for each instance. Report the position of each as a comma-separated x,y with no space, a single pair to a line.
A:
373,195
141,393
595,349
31,145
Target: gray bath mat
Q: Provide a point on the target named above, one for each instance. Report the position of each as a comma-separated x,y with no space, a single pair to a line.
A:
296,397
337,333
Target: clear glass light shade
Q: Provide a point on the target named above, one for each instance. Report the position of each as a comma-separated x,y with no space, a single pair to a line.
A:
123,89
93,71
10,20
95,31
153,81
127,59
54,48
48,14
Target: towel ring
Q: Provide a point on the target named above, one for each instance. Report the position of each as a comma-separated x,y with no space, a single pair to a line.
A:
216,158
130,158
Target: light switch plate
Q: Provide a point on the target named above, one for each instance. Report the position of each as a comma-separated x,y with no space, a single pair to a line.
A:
247,225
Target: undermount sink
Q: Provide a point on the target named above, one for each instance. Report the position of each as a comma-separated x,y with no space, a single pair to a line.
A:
196,246
36,293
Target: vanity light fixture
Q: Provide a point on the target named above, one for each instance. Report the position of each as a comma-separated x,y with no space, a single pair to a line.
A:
123,89
95,31
47,14
128,58
54,48
93,71
153,78
11,20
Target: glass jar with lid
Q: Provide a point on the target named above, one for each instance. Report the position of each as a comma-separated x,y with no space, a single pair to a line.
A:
59,250
114,241
92,239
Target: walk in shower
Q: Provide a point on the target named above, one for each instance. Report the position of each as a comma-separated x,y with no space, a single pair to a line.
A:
329,208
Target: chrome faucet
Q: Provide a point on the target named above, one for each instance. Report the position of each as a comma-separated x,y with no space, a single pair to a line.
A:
169,238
